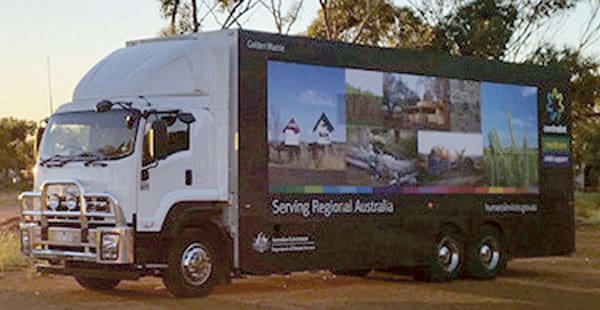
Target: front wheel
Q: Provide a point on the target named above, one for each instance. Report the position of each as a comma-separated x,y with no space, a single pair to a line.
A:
446,258
487,256
192,265
97,284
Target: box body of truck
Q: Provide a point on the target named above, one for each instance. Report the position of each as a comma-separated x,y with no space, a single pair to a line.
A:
298,154
418,141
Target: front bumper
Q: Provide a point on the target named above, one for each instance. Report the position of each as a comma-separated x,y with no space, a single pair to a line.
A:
67,244
75,234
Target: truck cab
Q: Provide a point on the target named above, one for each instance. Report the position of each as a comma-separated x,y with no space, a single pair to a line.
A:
116,165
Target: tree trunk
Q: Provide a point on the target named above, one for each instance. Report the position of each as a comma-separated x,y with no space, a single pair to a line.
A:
174,15
195,16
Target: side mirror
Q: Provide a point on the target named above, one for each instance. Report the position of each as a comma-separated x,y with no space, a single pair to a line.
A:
103,106
39,134
186,118
160,141
38,140
132,117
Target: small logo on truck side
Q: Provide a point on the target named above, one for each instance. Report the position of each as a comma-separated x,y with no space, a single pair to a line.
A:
262,243
554,106
265,46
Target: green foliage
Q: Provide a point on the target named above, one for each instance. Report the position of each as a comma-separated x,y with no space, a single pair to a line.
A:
481,28
370,22
16,151
587,207
488,28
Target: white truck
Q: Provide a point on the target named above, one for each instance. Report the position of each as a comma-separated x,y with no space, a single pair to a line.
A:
201,157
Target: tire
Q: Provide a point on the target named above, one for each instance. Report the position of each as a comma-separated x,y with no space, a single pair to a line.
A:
97,284
192,265
446,259
351,273
486,257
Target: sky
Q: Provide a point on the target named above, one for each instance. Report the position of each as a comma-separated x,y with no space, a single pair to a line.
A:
74,35
366,80
304,93
497,100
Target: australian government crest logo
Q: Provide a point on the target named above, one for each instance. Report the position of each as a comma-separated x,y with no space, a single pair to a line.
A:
261,243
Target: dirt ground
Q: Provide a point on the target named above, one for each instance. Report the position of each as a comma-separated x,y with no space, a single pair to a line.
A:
560,282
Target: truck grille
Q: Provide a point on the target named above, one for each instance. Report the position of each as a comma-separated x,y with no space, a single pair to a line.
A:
64,221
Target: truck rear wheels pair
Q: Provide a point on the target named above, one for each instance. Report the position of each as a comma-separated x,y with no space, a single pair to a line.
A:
192,265
445,260
483,258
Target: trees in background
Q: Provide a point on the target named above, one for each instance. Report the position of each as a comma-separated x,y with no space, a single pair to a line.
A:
482,28
371,22
16,153
188,16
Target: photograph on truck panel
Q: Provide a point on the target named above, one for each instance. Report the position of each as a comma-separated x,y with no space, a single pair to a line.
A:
348,130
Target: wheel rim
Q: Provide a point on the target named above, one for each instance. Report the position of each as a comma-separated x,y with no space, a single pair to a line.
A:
489,254
448,254
196,264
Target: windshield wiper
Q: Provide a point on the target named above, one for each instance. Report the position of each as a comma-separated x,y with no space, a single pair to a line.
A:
89,157
52,158
93,158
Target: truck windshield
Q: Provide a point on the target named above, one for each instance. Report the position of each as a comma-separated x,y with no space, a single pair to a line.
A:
88,136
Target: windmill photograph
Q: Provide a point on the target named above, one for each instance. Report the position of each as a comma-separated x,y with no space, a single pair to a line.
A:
306,124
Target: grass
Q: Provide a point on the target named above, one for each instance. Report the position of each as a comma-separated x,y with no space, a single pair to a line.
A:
10,245
587,207
11,258
511,165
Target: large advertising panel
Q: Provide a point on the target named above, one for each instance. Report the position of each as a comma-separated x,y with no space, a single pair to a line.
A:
336,130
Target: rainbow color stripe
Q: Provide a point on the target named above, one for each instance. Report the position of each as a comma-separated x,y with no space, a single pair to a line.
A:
394,190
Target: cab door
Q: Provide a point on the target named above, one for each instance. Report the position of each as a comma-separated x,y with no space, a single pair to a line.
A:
167,168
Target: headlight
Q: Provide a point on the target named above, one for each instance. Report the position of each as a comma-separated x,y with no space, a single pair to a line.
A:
53,202
110,246
71,202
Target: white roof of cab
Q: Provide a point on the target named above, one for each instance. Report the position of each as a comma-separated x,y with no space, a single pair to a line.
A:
159,67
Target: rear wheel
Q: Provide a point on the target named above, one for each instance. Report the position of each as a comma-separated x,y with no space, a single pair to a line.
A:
446,258
97,284
487,255
192,265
